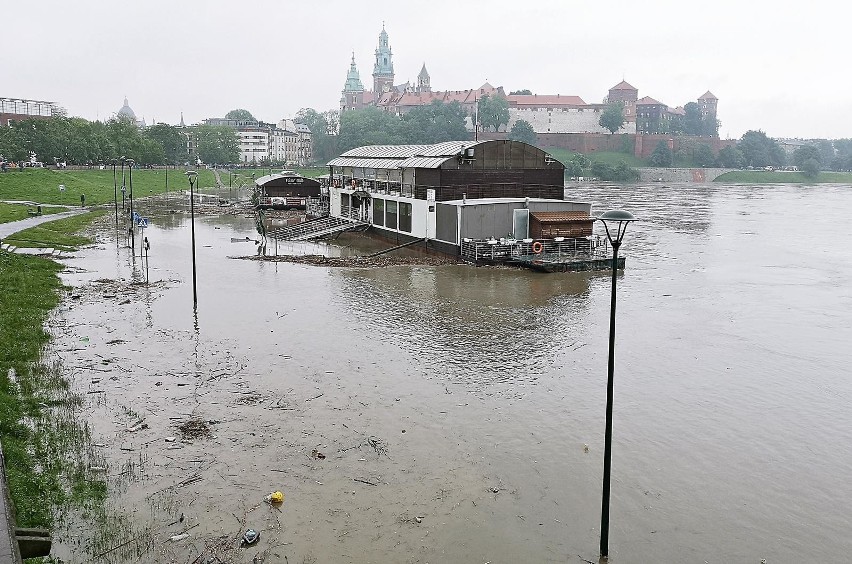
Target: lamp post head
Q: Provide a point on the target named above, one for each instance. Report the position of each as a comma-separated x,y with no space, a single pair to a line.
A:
192,176
619,219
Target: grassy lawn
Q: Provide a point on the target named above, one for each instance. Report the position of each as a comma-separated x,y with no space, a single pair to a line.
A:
36,407
766,177
42,185
610,158
14,212
60,234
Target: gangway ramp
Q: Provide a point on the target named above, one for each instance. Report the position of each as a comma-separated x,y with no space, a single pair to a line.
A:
317,228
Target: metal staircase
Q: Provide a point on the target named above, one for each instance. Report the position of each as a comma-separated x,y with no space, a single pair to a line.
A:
317,228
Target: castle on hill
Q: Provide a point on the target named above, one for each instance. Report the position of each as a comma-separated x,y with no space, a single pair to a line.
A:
547,113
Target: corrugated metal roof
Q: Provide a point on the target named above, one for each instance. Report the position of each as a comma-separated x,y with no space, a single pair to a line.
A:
446,149
423,162
384,151
360,162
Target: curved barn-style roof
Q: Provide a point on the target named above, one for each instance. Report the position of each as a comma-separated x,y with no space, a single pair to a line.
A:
279,180
421,156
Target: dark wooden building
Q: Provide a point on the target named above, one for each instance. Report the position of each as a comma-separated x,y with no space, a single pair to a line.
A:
454,170
286,190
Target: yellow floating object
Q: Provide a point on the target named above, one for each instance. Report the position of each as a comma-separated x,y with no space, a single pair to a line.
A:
276,497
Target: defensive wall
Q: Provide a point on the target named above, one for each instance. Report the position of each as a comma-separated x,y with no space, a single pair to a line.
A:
563,120
641,145
676,175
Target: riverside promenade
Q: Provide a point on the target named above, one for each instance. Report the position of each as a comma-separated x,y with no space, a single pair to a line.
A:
12,227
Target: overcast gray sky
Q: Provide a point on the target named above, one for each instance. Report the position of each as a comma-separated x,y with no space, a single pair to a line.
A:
776,65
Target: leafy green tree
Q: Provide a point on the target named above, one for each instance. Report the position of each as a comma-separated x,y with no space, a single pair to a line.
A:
171,141
612,118
240,115
125,137
368,126
662,155
493,111
618,173
434,123
760,151
826,150
693,124
806,153
810,167
525,91
217,144
710,126
322,130
11,147
731,157
523,131
703,155
576,165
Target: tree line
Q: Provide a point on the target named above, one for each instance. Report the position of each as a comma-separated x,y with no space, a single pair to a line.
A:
81,142
756,150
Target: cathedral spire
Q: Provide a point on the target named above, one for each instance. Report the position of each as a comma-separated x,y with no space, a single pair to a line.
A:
383,68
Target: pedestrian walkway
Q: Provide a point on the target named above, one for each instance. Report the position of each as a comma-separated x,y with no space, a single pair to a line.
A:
13,227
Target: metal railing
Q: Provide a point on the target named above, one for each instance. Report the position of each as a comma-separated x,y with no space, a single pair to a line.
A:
504,250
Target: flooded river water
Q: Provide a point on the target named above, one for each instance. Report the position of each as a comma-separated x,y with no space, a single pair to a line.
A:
456,414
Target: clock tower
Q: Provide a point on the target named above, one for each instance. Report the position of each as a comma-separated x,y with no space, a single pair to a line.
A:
383,69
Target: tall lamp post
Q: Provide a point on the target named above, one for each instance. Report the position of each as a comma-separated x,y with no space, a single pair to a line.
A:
617,220
130,163
115,192
193,178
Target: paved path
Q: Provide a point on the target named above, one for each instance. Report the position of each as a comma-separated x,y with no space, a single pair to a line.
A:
7,229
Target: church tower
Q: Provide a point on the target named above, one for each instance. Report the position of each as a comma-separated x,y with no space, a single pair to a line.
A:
353,90
383,69
423,80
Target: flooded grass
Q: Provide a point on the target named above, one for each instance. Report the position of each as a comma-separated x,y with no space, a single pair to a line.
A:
60,234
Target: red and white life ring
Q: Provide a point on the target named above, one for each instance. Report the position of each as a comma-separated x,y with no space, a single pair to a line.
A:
537,247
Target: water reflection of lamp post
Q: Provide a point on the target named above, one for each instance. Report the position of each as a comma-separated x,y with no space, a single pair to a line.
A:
619,220
193,177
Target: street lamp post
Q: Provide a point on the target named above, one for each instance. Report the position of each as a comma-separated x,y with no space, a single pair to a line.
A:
123,184
130,163
115,193
193,178
618,220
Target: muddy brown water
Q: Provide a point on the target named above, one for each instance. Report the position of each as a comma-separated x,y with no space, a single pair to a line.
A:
460,410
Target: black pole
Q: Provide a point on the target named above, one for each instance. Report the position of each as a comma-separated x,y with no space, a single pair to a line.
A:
608,435
132,230
192,216
147,274
123,185
115,192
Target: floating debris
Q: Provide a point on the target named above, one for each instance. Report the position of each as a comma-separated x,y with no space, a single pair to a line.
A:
251,536
194,429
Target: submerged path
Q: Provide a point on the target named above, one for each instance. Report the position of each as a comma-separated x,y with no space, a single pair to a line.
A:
13,227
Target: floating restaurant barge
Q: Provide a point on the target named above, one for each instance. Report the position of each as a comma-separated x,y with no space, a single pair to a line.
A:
286,190
494,201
